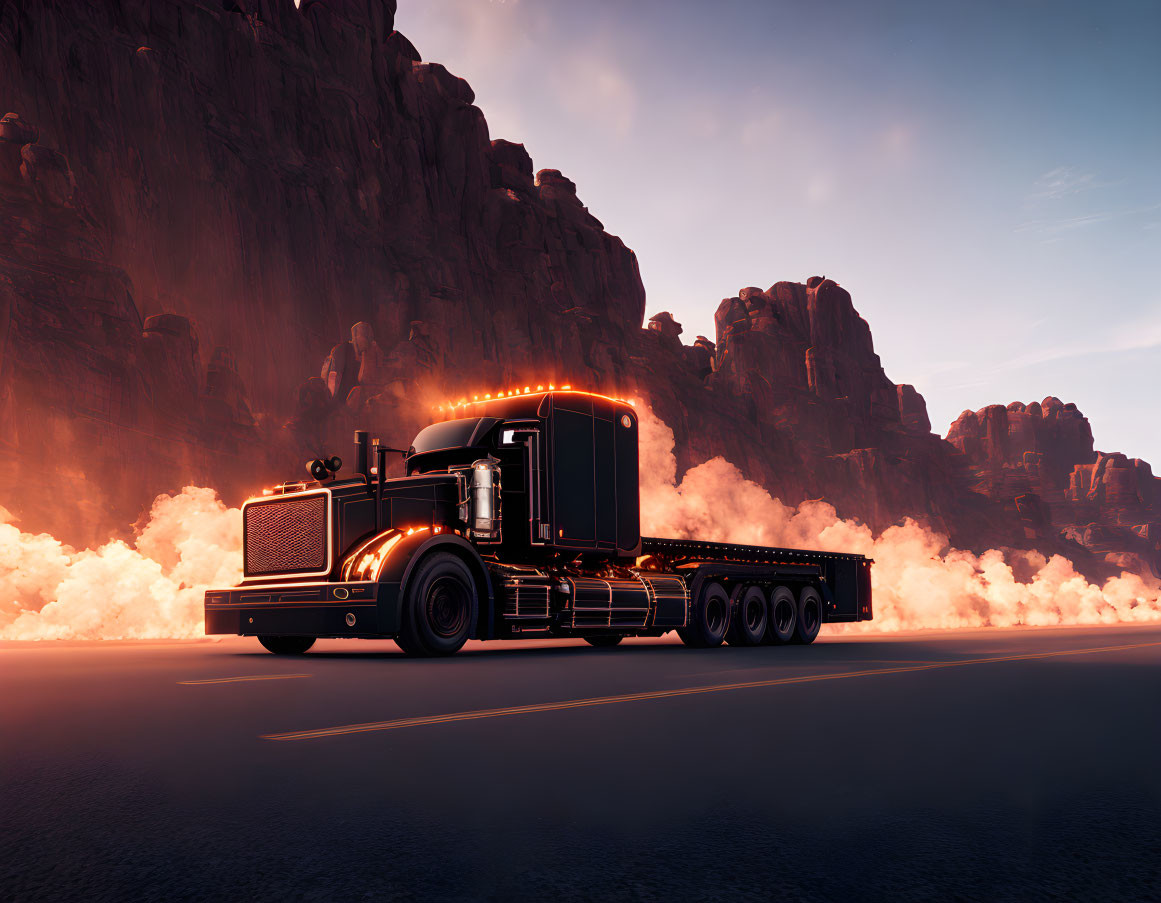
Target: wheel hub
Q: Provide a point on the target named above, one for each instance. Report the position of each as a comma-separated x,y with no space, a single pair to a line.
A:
447,607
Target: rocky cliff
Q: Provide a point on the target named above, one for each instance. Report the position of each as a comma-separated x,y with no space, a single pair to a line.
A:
279,173
1039,463
254,178
98,408
234,230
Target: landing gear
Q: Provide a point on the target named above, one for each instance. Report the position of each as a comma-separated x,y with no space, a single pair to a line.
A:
748,619
440,607
286,645
709,618
809,616
604,640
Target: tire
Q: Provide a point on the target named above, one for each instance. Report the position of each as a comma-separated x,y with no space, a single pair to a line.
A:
809,616
407,645
783,616
286,645
440,607
604,640
748,619
709,618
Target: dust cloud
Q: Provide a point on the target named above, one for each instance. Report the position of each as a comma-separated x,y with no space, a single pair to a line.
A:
149,590
153,588
918,581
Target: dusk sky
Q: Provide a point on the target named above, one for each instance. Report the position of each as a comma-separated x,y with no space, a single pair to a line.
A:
982,177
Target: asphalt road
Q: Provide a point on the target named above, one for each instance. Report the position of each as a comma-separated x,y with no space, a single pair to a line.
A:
990,765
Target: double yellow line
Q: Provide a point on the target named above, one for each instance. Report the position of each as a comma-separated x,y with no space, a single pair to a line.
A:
235,680
422,721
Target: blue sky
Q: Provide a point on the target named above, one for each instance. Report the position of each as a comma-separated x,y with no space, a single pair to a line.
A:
984,178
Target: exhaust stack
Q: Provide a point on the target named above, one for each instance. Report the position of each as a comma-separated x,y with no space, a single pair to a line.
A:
362,461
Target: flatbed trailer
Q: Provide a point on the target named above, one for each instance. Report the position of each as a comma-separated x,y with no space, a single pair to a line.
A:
520,520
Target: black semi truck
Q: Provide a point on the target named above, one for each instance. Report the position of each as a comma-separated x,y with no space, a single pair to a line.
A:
519,519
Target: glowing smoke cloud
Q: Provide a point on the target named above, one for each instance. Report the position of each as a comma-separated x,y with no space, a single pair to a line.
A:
154,588
918,582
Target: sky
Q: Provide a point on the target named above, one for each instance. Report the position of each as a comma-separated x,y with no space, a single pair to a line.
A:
984,178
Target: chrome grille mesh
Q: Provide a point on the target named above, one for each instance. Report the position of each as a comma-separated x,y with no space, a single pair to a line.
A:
285,536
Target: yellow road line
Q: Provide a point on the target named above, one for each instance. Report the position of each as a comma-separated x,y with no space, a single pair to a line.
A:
424,720
234,680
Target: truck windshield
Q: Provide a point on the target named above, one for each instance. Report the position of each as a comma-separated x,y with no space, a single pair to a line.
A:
449,434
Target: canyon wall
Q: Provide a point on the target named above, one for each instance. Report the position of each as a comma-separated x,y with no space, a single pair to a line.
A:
1038,461
233,231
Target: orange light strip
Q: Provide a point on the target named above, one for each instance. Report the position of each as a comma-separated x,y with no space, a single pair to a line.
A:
366,563
528,390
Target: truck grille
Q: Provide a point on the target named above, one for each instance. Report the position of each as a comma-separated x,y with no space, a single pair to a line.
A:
285,535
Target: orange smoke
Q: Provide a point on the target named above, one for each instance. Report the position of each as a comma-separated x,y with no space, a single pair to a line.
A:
919,582
152,589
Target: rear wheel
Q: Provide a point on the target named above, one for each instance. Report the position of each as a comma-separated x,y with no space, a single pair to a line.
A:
709,618
440,607
809,615
783,616
286,645
748,619
604,640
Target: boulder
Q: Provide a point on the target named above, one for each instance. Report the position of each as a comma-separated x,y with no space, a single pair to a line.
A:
170,348
47,172
226,396
664,325
511,166
912,409
16,130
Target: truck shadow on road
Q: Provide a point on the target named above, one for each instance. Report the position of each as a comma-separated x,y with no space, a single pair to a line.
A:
877,653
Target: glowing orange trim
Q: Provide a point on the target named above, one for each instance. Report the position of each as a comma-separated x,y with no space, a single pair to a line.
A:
366,562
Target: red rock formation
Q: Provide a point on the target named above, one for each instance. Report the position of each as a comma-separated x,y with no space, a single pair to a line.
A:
98,411
259,177
798,399
277,174
1038,460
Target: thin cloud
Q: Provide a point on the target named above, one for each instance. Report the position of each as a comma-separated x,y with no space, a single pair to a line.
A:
1143,335
1140,336
1058,225
1065,181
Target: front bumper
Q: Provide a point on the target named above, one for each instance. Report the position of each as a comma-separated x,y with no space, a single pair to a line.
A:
305,609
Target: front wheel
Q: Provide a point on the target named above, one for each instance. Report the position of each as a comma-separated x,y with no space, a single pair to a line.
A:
286,645
440,607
